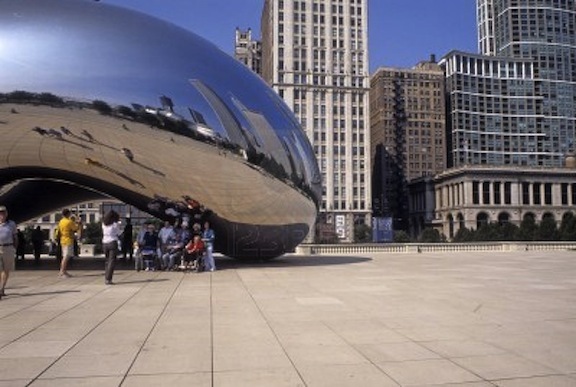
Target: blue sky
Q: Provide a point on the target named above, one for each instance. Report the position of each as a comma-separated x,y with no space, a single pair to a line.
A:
401,32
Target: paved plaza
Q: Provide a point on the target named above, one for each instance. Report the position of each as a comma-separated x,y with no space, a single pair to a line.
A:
473,320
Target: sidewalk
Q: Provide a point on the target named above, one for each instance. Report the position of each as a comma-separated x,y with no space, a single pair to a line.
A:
473,320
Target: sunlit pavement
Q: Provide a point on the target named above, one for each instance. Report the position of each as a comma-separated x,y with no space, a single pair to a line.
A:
473,320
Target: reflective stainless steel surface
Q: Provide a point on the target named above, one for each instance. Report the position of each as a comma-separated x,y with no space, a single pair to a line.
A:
99,101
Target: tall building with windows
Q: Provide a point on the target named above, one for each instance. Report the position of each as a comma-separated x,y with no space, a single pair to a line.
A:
315,55
515,102
408,134
248,50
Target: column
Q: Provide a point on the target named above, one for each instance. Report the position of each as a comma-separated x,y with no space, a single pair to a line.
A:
515,189
467,187
491,196
556,194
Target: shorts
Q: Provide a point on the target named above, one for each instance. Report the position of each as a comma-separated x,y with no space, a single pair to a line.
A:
67,251
7,257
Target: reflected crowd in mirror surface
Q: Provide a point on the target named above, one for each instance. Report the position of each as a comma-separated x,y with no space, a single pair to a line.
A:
127,106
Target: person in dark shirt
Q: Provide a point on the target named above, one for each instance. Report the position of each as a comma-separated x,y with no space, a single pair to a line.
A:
37,243
150,244
127,250
21,245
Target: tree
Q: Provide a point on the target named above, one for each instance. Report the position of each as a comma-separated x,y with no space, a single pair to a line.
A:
547,231
567,229
401,236
487,232
527,229
362,233
92,234
463,235
102,107
430,235
508,231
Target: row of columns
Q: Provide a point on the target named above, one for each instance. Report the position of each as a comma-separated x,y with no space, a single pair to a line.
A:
461,194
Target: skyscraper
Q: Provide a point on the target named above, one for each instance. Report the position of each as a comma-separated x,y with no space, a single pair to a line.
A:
408,134
315,55
515,103
248,50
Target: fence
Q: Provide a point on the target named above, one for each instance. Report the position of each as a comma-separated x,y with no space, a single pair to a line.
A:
310,249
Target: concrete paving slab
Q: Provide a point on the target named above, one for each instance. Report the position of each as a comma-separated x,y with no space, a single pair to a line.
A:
539,381
473,320
434,371
104,381
503,366
287,377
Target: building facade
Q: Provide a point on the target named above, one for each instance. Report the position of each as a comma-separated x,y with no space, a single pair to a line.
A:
248,50
515,103
408,134
89,212
315,55
474,195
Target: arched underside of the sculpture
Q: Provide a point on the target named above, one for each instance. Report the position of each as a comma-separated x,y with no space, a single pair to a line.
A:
30,198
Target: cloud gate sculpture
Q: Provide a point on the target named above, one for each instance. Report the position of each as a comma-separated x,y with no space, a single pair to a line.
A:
97,101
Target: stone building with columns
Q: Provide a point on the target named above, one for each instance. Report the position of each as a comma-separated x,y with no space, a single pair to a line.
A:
474,195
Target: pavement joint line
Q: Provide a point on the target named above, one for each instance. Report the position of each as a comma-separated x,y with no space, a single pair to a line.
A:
265,318
361,354
211,333
422,303
162,312
50,319
53,281
89,331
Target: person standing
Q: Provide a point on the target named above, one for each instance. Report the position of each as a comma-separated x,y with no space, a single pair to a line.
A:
127,243
37,243
165,234
66,230
110,235
8,244
208,239
21,245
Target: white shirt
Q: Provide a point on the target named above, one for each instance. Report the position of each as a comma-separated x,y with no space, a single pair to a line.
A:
110,233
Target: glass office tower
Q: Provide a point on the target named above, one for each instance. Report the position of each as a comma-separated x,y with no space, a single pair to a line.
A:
515,103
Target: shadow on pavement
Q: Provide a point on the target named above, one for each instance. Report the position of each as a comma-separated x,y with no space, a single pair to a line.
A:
121,282
97,263
14,294
289,261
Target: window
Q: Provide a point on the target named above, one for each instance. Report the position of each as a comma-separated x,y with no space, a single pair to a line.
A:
507,193
497,193
475,192
525,193
486,192
548,194
536,193
564,193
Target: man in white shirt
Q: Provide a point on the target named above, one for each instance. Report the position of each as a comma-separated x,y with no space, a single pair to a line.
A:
8,244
